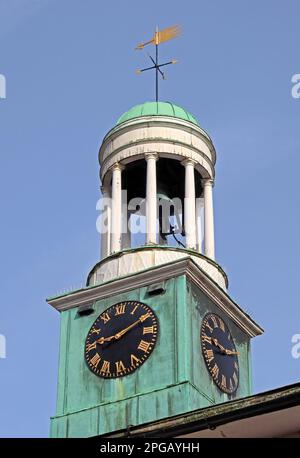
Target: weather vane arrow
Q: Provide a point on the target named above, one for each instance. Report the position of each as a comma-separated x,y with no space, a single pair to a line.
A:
160,36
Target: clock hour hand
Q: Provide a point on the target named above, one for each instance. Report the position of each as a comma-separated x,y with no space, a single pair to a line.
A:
224,350
217,344
101,340
231,352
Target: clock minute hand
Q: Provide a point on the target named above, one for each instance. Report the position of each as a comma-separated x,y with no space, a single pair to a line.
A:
124,331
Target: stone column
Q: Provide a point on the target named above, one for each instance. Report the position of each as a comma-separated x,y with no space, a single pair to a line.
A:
209,237
199,223
151,198
126,236
190,205
116,211
106,236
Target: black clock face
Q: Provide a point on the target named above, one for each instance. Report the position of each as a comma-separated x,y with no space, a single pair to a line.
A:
219,352
121,339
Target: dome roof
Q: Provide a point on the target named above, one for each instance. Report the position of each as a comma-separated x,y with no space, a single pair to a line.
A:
157,109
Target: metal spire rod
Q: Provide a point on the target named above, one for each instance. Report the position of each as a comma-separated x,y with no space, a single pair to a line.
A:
156,64
159,37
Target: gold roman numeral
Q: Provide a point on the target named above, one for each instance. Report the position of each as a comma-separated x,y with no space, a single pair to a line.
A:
95,360
215,371
148,330
236,366
209,327
213,319
105,367
222,324
223,382
95,331
210,355
134,360
120,367
91,346
235,378
120,309
133,311
206,338
144,346
231,385
105,317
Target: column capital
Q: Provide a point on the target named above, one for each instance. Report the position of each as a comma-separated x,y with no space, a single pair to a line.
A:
207,182
188,161
117,166
151,156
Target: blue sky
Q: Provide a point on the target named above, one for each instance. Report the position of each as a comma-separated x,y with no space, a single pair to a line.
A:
70,72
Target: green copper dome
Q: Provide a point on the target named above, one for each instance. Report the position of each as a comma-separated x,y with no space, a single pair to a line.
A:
157,109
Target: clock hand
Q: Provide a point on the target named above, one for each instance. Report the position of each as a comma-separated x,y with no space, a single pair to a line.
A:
224,350
217,344
231,352
124,331
101,340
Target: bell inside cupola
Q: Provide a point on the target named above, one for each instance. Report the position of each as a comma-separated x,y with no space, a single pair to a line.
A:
170,194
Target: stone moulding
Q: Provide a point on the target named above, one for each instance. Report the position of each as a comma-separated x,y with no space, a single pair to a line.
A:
176,139
133,260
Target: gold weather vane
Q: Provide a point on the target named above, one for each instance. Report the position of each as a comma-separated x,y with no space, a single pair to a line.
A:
160,36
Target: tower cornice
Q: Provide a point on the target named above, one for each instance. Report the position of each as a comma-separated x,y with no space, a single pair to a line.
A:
160,273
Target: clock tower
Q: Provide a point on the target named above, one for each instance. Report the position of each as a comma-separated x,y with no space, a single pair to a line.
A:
154,333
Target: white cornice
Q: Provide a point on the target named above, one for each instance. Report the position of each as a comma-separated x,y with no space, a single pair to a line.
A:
156,121
157,274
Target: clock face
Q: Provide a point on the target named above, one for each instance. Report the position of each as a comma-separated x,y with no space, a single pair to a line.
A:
121,339
219,352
